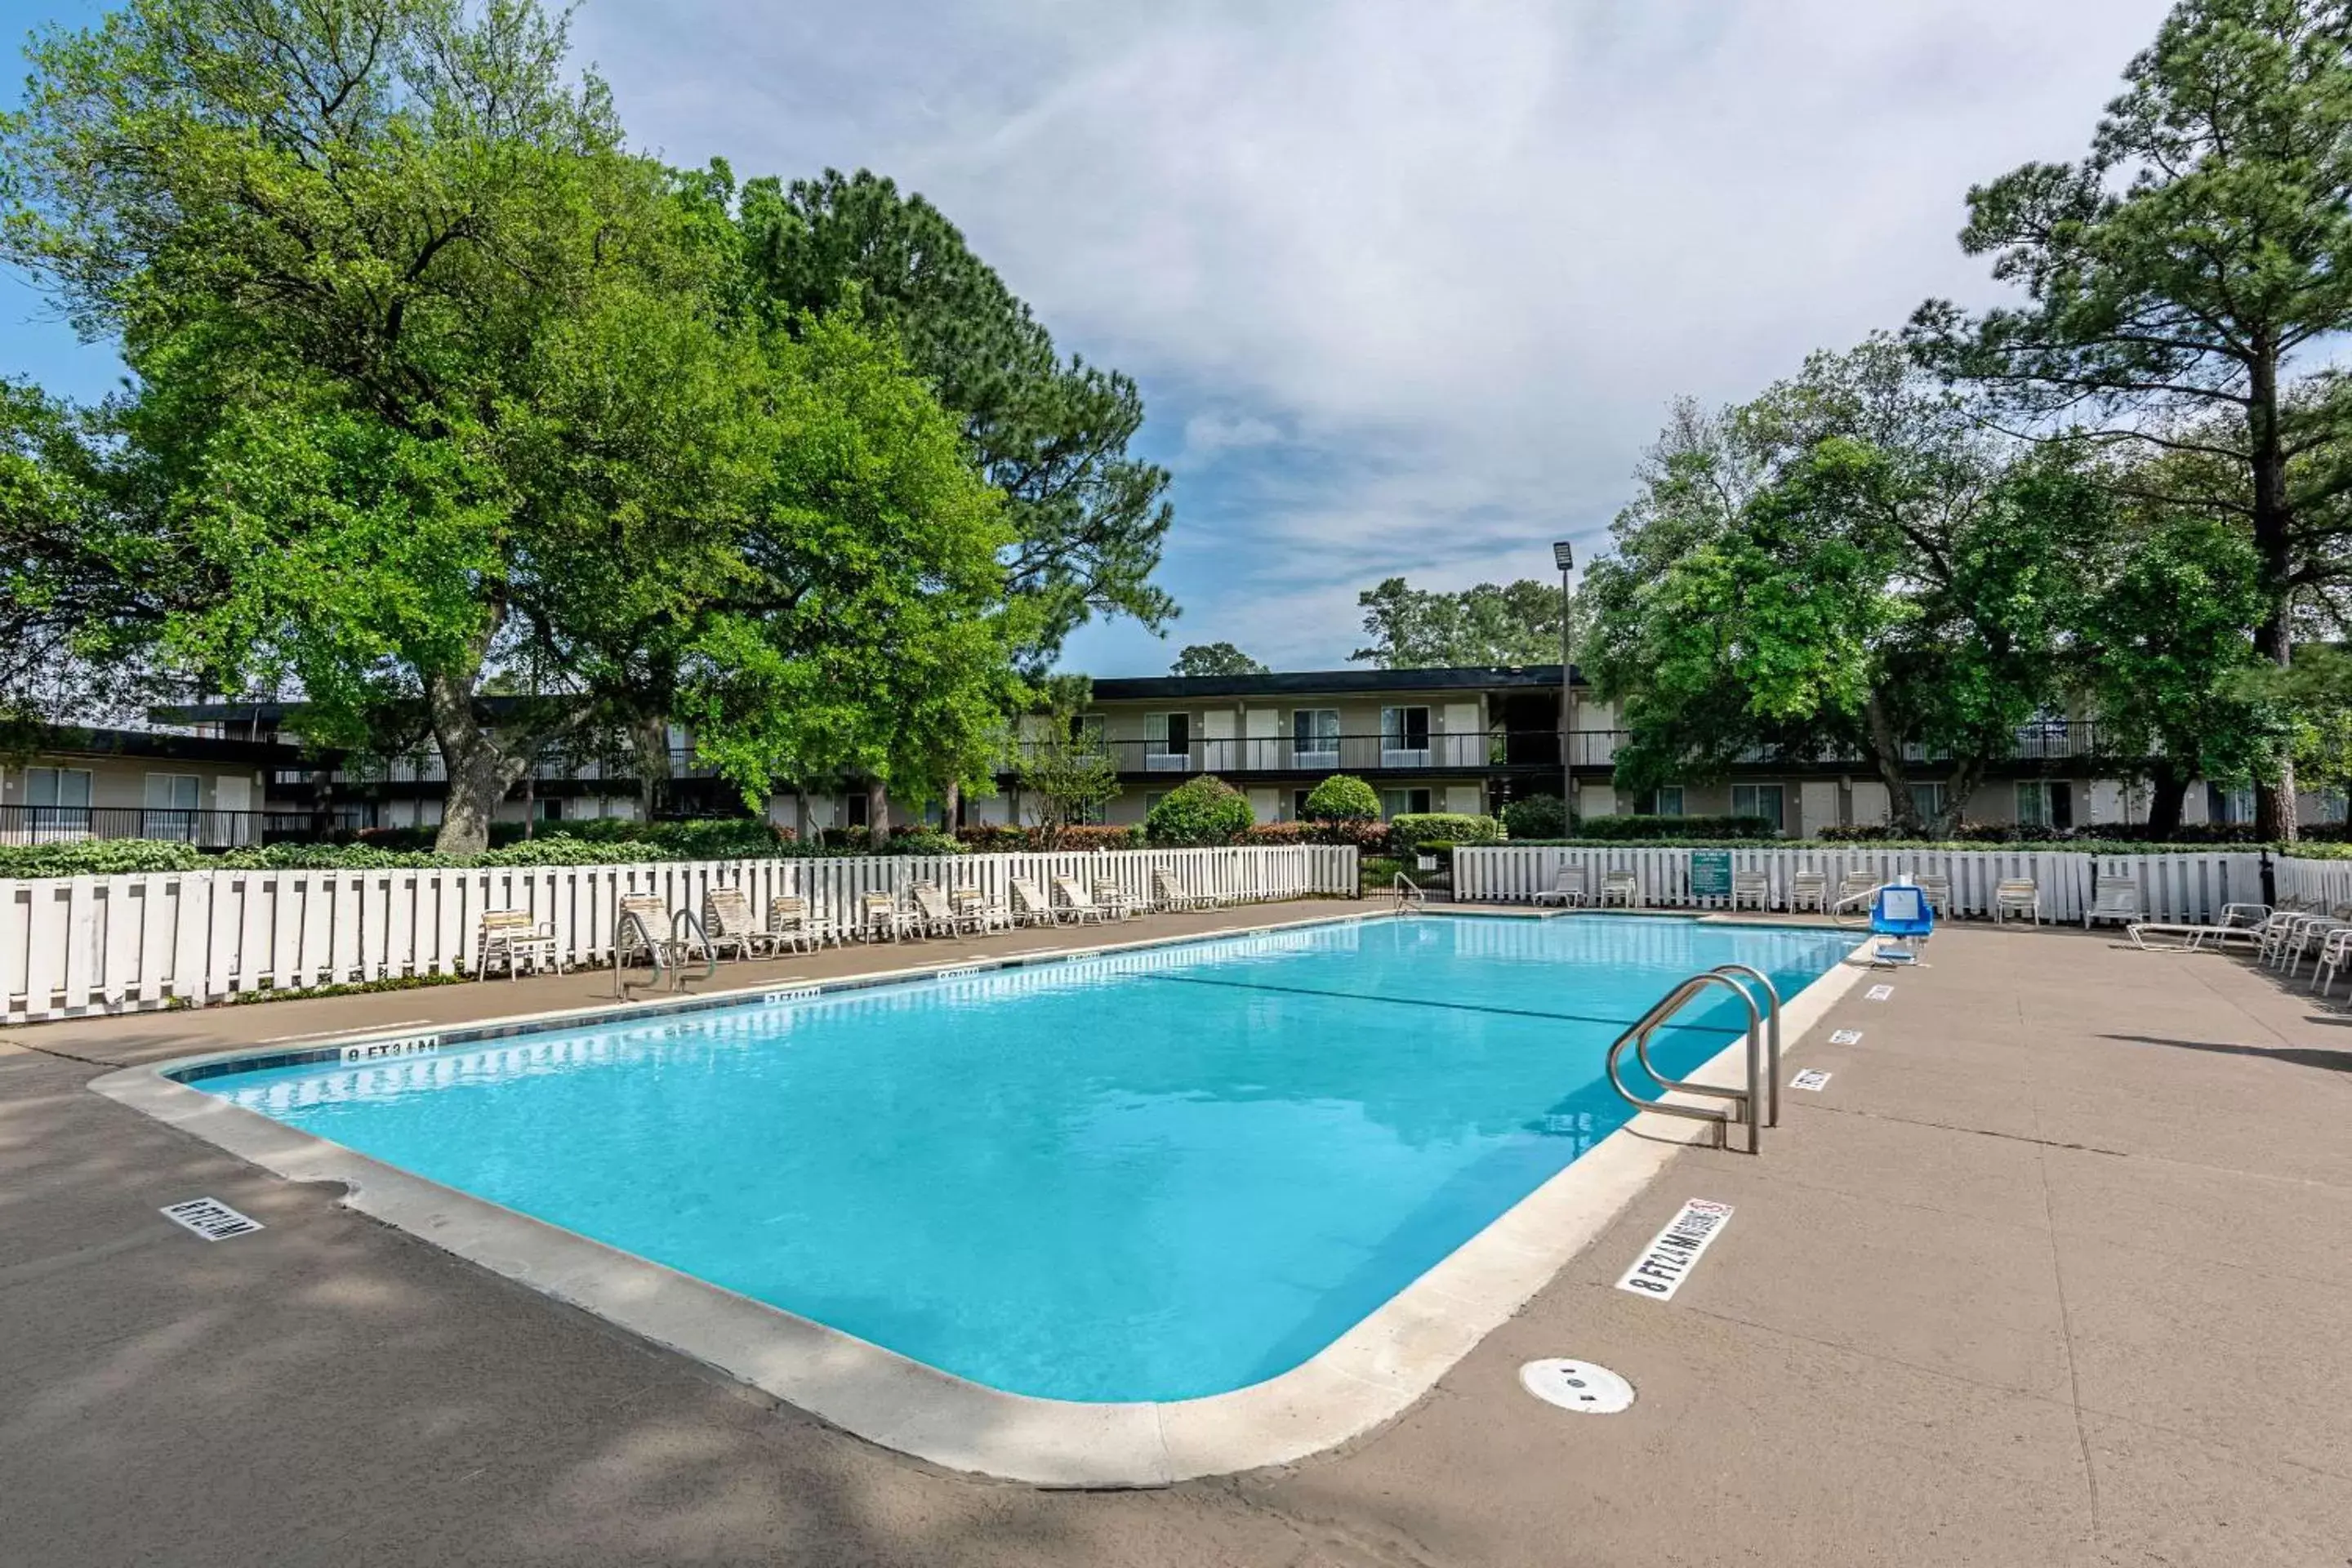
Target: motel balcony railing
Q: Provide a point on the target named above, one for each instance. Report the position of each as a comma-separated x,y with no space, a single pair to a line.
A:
25,825
1532,750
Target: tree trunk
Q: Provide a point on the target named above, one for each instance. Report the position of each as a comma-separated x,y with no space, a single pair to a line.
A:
2167,793
878,812
2274,813
1886,757
952,808
480,772
649,737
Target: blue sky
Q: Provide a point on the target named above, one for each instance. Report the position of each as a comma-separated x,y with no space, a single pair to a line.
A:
1408,287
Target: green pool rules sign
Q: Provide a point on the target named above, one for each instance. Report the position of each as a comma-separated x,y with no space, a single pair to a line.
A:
1710,873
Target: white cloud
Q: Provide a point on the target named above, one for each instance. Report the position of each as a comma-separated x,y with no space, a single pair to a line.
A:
1416,282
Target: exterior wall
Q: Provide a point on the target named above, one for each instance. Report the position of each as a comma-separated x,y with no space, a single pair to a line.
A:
122,781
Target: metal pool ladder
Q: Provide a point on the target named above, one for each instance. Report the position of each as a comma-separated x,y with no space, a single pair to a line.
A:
1758,1104
1408,895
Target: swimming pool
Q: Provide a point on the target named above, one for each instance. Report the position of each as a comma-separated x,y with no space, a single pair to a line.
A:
1150,1176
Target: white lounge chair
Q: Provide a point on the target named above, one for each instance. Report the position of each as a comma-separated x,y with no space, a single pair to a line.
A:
984,913
934,916
1750,889
727,922
1621,888
879,918
789,924
1076,902
1031,907
2017,896
1114,902
1567,889
511,937
2118,900
1170,894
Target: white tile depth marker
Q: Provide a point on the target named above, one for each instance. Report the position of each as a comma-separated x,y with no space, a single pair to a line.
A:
1879,993
1812,1077
1675,1251
210,1218
1846,1038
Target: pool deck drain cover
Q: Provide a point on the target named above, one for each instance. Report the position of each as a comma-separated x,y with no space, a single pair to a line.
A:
1577,1385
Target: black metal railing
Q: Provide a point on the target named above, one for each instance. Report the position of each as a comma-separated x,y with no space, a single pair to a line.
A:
1411,751
1538,749
204,829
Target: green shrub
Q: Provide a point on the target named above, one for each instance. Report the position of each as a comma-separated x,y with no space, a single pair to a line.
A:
1206,810
1675,827
100,858
1415,829
1343,797
1538,817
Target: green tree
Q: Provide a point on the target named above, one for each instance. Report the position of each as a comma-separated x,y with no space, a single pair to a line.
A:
1061,757
437,389
1343,797
1215,658
2194,264
1883,576
2163,643
1088,518
1491,624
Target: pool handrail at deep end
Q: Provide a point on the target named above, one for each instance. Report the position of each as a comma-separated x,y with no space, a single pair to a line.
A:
1754,1103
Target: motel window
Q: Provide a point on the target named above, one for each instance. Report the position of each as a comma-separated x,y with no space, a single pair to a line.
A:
1404,737
1927,800
853,808
1298,803
2042,804
1403,802
548,810
2234,805
1667,800
172,792
1315,733
1151,799
1086,729
57,787
1167,741
1759,800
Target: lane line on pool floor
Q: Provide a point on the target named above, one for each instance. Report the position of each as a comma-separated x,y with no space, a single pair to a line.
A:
1428,1002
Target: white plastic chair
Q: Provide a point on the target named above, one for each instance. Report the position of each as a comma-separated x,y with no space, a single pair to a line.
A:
2017,896
1567,889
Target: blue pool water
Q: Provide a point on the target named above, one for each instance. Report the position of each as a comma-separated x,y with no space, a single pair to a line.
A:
1151,1175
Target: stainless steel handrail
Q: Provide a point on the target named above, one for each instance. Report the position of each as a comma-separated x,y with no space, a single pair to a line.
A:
1408,892
1758,1103
1772,1033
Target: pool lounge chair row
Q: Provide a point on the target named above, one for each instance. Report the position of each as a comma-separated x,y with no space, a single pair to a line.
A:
727,926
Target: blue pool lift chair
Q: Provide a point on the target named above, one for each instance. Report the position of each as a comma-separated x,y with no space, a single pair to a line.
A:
1900,918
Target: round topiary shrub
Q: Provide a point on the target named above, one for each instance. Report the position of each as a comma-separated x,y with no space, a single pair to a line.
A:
1343,797
1206,810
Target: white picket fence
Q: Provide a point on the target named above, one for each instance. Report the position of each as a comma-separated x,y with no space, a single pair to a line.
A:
2314,884
2175,885
72,945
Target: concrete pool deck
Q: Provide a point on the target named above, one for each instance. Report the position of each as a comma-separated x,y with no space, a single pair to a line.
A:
2053,1270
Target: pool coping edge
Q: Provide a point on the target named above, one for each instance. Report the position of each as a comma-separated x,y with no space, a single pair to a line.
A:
1368,1376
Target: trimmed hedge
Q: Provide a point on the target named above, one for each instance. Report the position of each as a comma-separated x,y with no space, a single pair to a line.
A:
1415,828
1200,811
1538,817
1002,838
1670,828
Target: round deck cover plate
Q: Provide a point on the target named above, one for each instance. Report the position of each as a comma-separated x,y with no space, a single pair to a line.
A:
1577,1385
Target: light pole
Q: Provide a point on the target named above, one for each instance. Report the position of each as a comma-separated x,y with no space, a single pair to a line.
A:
1564,554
